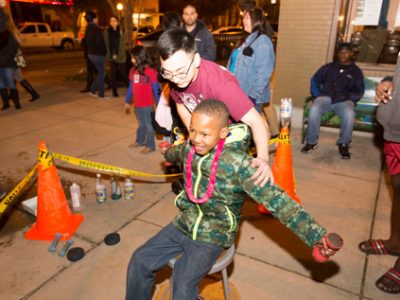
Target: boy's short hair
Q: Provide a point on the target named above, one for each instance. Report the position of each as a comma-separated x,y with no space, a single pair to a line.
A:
214,108
173,40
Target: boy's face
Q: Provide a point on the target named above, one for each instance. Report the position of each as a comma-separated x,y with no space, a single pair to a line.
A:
205,132
181,68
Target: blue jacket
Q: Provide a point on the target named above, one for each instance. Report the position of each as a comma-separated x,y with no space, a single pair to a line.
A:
254,72
341,83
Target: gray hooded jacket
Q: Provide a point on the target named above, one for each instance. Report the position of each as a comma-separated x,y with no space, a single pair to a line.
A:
389,114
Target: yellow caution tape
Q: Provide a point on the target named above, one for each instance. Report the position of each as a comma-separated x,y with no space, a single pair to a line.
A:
272,141
8,200
87,164
284,138
45,159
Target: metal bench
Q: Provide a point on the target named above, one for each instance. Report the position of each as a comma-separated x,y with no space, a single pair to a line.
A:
365,111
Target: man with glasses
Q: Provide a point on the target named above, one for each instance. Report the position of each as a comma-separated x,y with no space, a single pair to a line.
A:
193,79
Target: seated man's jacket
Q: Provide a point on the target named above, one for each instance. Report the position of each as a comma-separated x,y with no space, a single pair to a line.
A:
341,83
217,221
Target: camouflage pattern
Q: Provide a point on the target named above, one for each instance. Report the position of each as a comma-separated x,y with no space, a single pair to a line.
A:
217,221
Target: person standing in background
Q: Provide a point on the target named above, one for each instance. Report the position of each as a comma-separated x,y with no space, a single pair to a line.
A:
205,44
253,59
115,46
94,40
9,45
388,115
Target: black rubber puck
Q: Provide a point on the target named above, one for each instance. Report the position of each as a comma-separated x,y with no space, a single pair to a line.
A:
112,239
75,254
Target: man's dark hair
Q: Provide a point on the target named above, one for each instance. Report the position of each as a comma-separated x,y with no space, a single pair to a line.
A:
214,108
174,40
247,4
189,5
90,16
171,19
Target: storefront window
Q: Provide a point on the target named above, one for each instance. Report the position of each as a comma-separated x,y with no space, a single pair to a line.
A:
373,28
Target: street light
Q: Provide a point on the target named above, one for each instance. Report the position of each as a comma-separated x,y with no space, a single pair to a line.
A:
120,7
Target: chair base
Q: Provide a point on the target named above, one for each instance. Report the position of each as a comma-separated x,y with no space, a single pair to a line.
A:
211,288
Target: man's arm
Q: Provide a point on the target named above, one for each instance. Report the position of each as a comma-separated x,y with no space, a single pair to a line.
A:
209,47
316,81
259,130
358,89
184,114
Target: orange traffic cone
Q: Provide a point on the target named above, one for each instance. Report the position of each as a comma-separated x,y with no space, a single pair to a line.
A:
53,213
282,168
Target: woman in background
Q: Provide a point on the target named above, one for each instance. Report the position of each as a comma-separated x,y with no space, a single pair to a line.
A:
115,45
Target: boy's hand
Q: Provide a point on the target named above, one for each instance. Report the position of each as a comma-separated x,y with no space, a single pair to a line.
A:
263,173
164,146
327,246
127,108
383,91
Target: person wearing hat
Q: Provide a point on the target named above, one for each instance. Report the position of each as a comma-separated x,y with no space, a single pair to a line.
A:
337,87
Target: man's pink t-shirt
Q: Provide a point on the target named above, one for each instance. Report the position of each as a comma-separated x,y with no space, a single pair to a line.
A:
214,82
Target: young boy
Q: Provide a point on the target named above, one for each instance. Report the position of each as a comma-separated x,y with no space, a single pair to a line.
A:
217,174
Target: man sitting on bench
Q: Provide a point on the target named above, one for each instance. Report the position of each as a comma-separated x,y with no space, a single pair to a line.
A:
337,87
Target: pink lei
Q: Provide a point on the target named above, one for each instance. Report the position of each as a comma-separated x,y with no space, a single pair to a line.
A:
211,184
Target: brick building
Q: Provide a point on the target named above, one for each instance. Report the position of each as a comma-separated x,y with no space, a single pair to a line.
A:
308,33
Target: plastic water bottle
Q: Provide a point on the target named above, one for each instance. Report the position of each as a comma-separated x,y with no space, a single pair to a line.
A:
129,189
101,193
116,193
285,111
75,196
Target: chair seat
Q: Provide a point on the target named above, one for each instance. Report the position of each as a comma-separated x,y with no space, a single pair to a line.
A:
222,262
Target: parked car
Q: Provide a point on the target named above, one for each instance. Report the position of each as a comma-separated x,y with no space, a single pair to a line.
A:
149,41
41,35
228,30
143,31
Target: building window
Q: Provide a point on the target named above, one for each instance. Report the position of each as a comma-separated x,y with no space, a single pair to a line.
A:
373,28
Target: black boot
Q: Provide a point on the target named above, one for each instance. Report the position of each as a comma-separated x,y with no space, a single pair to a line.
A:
14,96
30,90
115,92
4,98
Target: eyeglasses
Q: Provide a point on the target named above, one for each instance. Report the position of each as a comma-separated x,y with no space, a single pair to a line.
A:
178,76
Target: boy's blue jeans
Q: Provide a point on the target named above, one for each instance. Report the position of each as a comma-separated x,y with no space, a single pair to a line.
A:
145,131
197,259
345,111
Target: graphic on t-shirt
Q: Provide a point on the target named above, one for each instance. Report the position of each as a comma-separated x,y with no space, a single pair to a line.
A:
190,101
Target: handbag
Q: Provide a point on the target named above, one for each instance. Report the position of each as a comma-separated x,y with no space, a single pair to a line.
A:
19,59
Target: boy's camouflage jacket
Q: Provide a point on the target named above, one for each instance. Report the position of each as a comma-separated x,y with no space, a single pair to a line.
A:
217,221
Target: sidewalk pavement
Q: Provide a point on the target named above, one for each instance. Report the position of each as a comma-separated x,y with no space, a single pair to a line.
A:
351,197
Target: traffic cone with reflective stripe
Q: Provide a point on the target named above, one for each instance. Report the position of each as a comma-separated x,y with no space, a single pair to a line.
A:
53,213
282,168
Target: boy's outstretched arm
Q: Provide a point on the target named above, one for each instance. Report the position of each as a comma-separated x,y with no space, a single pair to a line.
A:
286,210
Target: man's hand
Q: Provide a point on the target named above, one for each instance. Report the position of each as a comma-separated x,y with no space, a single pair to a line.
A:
384,91
263,173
